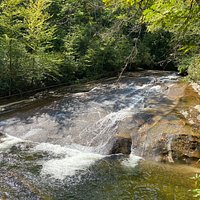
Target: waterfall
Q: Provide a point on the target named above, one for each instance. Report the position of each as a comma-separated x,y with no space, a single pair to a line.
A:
79,128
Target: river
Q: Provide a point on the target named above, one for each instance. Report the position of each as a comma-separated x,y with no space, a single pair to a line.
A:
57,145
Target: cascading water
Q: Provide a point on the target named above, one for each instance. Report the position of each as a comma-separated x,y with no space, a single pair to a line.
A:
87,121
77,131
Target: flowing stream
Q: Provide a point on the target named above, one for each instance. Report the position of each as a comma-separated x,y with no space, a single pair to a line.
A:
58,147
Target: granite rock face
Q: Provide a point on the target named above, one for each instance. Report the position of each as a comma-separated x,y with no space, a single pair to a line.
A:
168,134
168,141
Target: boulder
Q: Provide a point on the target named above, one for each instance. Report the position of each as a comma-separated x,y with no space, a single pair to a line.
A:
122,144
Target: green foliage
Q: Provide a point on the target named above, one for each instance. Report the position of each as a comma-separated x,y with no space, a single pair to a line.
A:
11,20
38,38
38,34
107,56
13,58
175,16
25,52
154,49
181,18
92,47
194,68
45,42
197,184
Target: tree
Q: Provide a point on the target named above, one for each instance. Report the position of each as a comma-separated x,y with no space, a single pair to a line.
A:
180,18
11,49
38,36
26,41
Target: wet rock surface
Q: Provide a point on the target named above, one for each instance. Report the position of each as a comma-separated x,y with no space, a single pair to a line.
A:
18,172
168,141
69,138
122,144
170,133
174,135
161,110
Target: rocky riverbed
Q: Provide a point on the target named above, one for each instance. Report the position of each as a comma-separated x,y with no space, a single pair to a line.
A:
104,138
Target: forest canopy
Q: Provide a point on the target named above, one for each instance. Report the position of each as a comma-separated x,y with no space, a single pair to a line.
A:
49,42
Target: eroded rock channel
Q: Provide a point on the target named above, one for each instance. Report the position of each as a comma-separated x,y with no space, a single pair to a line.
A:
78,137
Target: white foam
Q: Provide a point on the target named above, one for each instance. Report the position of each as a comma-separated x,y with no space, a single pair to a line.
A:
55,149
172,77
32,132
156,88
8,141
99,130
132,161
74,161
138,87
